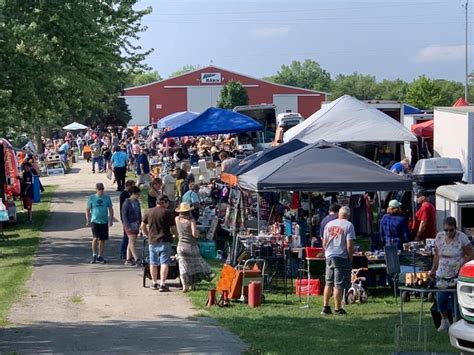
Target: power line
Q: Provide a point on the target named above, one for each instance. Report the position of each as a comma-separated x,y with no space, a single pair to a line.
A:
375,5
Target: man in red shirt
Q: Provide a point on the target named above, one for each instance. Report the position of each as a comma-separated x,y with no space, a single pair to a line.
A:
425,217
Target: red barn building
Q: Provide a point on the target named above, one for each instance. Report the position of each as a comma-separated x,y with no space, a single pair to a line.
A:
200,89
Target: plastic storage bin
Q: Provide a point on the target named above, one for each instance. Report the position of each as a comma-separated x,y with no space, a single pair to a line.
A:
208,249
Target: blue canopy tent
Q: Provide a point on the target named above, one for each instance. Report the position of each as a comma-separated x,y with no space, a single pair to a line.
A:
176,119
216,121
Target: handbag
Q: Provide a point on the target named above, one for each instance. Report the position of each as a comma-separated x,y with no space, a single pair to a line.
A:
3,213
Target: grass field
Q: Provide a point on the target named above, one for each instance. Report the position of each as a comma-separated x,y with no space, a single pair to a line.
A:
276,327
17,253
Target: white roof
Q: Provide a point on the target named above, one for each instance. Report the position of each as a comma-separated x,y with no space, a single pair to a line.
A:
349,120
456,193
75,126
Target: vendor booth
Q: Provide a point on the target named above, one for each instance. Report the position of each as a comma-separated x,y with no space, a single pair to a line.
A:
216,121
176,119
349,120
322,166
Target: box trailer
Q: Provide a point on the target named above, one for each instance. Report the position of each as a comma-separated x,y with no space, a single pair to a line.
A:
454,136
456,201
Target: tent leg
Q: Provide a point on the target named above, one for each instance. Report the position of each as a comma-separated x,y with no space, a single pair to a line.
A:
258,213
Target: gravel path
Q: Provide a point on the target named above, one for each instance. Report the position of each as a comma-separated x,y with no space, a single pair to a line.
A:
73,306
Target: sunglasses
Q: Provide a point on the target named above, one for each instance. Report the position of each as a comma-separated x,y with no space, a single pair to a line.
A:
449,230
100,189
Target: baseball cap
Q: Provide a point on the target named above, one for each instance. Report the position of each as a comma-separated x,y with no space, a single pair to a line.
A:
422,193
99,186
394,204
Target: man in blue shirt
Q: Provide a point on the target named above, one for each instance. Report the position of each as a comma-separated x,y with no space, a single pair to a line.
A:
401,167
99,215
119,166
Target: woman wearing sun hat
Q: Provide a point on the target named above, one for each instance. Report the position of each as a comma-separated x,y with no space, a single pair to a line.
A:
393,226
192,267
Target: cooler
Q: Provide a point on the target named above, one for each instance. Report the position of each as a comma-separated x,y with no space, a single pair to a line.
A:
302,287
207,249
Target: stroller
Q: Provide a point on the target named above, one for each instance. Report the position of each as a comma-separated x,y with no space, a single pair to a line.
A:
173,271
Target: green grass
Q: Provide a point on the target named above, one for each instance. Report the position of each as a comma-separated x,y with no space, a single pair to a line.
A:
17,253
279,328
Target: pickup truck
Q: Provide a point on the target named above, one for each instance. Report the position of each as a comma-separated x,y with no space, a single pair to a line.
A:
461,333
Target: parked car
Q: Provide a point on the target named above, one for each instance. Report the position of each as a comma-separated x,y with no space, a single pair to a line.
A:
461,333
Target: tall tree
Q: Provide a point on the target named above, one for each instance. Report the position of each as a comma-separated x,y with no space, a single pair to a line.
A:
424,93
308,75
450,91
233,94
362,87
392,90
63,56
142,78
186,69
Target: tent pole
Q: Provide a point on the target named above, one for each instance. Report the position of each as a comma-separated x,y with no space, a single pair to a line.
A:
258,213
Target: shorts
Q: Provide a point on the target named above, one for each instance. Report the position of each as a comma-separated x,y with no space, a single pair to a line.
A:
27,203
100,231
338,272
131,232
144,179
160,253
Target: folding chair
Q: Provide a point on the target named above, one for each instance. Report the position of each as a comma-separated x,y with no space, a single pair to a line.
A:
393,266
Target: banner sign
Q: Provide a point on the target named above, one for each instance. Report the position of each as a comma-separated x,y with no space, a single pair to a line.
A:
211,78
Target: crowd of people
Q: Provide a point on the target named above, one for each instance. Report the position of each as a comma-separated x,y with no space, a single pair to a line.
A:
174,202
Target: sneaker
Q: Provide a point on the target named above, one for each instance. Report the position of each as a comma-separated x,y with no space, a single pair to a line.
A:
154,286
341,312
101,260
326,311
444,327
164,288
129,263
94,259
138,263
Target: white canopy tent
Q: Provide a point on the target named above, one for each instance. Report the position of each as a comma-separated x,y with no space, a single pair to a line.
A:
75,126
349,120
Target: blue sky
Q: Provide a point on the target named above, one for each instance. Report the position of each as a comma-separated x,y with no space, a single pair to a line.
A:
389,39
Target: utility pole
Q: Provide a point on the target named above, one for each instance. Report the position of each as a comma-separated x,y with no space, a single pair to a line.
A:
466,76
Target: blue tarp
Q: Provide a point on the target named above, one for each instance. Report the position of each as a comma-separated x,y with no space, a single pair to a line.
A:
411,110
176,119
216,121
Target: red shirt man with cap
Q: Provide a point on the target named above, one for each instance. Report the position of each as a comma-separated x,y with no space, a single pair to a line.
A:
425,217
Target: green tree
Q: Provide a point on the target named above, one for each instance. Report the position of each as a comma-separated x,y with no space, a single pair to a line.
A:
362,87
59,57
142,78
117,114
186,69
424,93
308,75
392,90
233,94
450,91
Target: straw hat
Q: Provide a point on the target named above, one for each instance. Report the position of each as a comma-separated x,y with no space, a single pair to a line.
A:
184,207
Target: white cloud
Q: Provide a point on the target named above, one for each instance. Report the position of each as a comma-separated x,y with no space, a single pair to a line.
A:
438,53
270,32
